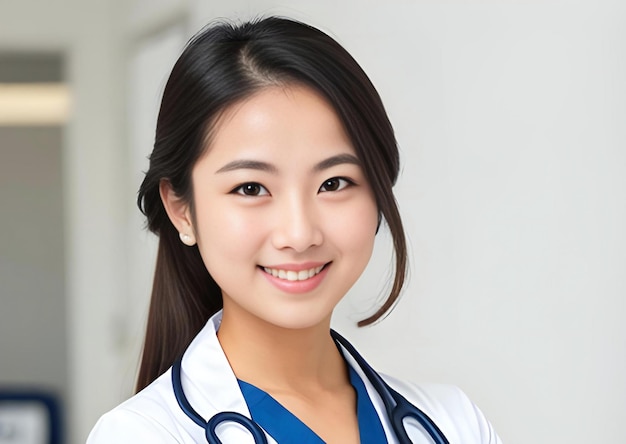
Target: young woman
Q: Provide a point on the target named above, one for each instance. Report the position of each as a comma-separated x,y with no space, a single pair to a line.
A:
272,170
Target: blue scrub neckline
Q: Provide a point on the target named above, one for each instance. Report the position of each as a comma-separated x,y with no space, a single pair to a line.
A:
286,428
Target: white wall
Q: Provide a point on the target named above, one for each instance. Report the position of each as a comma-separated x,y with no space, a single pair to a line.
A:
32,297
93,161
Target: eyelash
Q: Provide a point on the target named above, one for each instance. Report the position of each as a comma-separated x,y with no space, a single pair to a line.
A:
241,189
343,183
347,183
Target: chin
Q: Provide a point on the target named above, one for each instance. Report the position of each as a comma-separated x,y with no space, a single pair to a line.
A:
299,320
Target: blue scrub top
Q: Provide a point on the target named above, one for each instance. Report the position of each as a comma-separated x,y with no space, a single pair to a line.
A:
286,428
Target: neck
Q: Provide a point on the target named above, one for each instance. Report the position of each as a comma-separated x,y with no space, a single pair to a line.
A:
277,358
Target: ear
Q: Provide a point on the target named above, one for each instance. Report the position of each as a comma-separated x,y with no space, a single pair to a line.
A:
178,211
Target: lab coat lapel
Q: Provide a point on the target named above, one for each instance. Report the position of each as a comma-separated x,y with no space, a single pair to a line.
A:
373,394
210,384
417,434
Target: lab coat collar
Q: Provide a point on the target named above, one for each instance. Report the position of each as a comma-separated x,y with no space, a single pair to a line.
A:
211,386
208,380
377,401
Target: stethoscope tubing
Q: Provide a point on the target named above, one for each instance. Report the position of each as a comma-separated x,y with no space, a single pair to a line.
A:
210,426
397,407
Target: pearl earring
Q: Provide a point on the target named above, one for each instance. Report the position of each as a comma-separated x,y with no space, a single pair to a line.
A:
187,239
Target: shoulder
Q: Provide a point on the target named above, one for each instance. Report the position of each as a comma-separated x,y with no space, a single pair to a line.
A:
123,425
146,417
451,409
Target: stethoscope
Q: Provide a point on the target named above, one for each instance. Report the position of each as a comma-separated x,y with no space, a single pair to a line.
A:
398,408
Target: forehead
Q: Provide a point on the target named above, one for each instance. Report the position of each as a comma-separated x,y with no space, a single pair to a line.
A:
278,119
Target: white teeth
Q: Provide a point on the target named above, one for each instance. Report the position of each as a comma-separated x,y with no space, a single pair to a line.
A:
291,275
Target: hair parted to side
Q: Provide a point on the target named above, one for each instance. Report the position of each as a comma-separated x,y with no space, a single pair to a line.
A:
220,66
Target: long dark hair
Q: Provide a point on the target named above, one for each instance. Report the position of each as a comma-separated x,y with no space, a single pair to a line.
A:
220,66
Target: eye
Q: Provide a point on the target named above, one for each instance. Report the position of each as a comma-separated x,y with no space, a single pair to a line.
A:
335,184
251,189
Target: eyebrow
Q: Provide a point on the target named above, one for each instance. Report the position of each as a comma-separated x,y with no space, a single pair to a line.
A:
247,164
339,159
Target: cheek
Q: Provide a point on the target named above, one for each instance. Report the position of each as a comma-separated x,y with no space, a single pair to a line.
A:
356,228
226,235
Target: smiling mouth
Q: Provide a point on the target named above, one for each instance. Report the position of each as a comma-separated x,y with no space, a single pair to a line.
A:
292,275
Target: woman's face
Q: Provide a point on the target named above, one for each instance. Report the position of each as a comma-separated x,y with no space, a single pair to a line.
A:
284,218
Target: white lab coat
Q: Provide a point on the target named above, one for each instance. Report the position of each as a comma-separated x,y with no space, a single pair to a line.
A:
153,415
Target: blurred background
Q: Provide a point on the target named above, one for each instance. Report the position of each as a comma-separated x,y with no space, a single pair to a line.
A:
511,118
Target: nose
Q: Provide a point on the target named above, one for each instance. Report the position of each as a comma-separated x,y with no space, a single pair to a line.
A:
297,225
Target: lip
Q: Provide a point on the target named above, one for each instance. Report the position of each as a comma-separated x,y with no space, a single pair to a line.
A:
296,267
297,287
